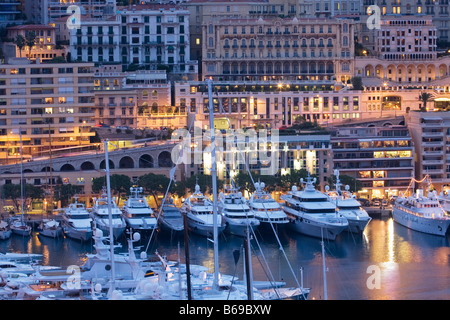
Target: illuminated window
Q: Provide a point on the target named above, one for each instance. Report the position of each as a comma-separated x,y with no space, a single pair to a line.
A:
197,41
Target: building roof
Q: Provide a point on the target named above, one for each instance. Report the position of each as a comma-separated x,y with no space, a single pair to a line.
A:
32,27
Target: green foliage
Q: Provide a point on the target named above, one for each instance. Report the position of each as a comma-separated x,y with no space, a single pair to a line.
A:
64,193
120,184
30,192
354,184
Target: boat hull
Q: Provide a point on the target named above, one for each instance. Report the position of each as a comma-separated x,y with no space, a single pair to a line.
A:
117,231
5,234
21,231
437,227
167,226
204,230
238,227
317,229
52,233
357,226
81,235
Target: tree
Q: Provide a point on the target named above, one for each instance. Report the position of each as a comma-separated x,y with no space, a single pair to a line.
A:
30,192
357,83
120,184
154,184
354,184
64,192
204,181
293,178
30,40
20,43
425,97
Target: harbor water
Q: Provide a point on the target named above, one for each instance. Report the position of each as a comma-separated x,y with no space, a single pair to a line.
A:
386,262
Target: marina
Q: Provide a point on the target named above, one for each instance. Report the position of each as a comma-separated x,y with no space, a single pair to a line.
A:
411,264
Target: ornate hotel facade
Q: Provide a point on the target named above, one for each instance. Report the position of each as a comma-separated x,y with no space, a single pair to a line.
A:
269,48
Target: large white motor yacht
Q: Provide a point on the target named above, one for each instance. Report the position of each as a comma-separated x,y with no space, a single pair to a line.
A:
265,208
76,222
137,213
101,216
199,213
236,212
349,207
422,213
311,213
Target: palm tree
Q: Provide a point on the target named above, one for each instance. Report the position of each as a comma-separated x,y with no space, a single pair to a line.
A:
30,40
425,97
20,43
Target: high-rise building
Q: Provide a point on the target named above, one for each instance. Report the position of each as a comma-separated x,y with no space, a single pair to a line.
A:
139,37
50,105
381,158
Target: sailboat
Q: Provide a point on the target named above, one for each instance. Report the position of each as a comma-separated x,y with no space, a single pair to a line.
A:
50,228
18,226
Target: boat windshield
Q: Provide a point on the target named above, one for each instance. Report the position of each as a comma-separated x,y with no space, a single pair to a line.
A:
79,216
137,203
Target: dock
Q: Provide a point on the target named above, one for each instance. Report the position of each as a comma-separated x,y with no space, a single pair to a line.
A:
378,212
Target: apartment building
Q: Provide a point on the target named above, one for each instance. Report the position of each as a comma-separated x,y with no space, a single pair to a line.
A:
47,11
405,51
139,36
138,99
268,103
45,42
430,132
278,49
381,158
48,105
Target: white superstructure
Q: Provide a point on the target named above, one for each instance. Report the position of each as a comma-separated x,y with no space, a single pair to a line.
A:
101,216
236,212
349,207
199,213
137,213
76,222
265,208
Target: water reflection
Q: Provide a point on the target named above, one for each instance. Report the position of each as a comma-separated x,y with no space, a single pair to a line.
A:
412,265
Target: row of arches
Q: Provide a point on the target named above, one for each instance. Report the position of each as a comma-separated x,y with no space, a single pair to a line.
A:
407,72
312,67
164,160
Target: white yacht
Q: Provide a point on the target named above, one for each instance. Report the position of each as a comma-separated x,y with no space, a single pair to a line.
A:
349,207
171,218
100,216
199,212
137,213
265,208
236,212
76,222
311,213
421,213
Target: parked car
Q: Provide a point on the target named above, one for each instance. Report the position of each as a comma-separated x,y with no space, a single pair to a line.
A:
376,202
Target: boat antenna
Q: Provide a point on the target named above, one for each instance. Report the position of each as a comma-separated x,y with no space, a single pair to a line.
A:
214,186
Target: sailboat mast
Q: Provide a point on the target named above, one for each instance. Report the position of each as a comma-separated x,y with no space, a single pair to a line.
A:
111,235
21,173
325,293
214,186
